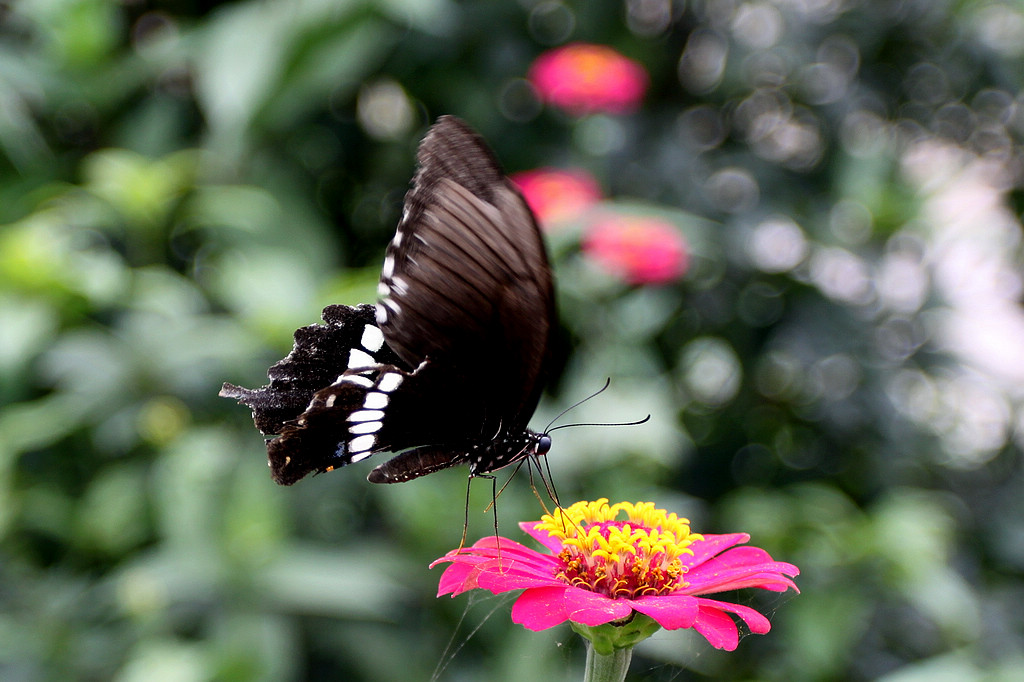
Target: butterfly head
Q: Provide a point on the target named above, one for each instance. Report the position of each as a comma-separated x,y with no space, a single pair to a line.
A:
541,444
508,449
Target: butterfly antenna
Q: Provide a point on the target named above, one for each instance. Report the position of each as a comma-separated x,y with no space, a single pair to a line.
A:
607,383
636,423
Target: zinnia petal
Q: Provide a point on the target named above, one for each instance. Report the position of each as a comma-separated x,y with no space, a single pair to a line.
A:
717,627
488,548
757,623
502,579
738,568
456,580
540,608
486,566
544,607
713,545
673,611
542,536
592,608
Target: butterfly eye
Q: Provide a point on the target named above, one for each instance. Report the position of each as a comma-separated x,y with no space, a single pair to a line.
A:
543,445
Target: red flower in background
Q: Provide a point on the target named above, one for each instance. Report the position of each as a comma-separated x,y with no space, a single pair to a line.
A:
637,249
556,195
583,78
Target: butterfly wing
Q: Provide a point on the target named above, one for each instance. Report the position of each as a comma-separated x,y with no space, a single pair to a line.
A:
466,287
455,351
320,354
315,402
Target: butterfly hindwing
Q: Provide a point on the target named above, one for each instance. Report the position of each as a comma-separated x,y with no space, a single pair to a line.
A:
321,352
343,423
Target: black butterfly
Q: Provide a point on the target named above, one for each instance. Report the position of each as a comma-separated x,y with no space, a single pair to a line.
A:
448,367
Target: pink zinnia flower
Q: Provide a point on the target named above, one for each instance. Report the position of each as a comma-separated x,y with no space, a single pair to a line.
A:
556,195
637,249
583,78
600,569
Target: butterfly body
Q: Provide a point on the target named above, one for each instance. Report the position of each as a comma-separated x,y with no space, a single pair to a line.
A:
448,367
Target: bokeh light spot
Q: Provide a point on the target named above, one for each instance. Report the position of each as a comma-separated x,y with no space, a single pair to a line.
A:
777,245
702,128
711,371
733,190
551,23
702,63
841,275
757,25
648,18
384,110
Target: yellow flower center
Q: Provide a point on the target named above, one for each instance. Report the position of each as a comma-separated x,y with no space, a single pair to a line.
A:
630,557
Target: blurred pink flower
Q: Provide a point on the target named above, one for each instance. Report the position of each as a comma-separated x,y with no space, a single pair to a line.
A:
639,250
557,195
601,569
583,78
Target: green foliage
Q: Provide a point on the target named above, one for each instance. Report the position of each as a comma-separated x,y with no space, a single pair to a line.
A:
184,184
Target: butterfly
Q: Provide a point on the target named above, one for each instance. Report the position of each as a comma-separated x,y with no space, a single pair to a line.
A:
447,368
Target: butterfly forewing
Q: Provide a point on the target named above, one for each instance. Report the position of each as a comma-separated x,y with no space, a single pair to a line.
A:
466,283
449,365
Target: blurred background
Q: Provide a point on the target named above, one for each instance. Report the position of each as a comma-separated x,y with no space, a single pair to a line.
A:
788,229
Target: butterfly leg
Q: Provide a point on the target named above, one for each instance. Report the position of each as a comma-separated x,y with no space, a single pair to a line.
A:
493,505
505,484
494,510
465,522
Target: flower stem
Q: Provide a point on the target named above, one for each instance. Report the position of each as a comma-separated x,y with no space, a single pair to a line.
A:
610,668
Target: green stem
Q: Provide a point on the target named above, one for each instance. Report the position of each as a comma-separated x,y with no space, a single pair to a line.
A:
610,668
